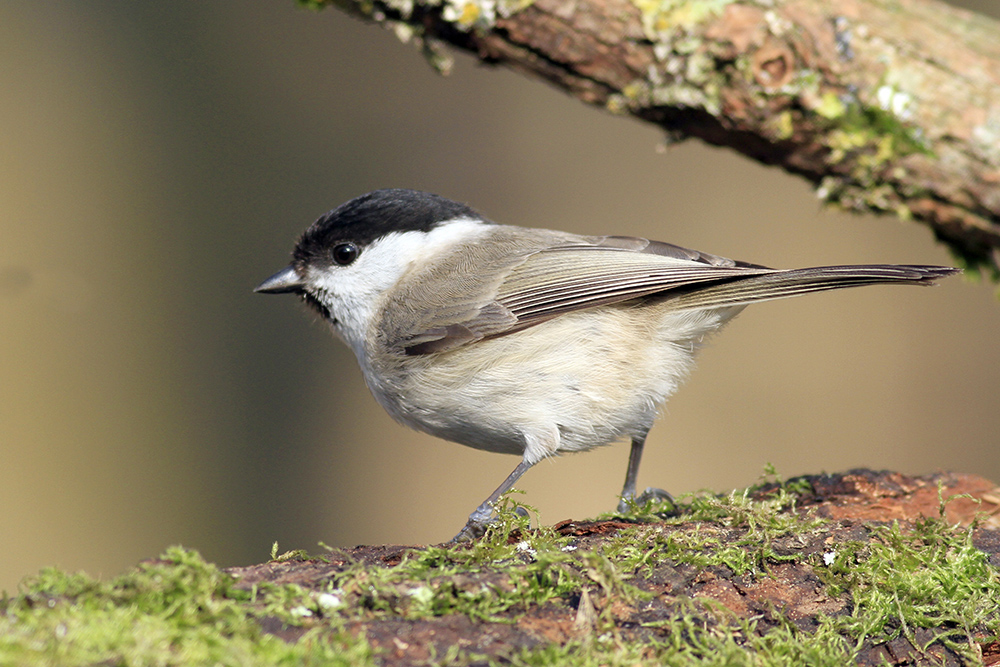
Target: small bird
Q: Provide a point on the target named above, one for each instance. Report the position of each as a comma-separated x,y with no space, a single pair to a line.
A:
527,341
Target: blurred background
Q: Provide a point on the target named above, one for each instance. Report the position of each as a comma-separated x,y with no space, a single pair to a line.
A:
160,159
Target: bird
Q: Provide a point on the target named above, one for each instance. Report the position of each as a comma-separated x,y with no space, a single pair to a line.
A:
527,341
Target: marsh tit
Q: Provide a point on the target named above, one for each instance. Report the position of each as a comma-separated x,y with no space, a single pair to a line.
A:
527,341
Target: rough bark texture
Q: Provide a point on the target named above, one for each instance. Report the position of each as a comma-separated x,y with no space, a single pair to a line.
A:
790,587
886,105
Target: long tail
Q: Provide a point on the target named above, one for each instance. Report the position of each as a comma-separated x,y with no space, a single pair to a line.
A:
784,283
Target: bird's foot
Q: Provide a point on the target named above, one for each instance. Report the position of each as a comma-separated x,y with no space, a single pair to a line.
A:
629,502
479,521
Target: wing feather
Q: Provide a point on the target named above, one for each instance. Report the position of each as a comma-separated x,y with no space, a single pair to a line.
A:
520,284
563,279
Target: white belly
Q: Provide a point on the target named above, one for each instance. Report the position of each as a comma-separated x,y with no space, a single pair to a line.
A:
579,381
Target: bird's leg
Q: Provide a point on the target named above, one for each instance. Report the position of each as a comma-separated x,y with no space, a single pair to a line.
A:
632,474
480,518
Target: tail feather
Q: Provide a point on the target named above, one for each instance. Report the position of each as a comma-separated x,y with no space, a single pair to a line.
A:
792,282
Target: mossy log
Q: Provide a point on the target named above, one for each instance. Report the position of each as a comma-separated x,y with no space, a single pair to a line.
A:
855,568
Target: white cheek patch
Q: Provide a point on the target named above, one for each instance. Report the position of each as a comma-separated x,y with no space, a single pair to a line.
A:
353,293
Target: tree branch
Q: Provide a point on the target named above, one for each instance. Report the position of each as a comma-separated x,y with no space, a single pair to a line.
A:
887,106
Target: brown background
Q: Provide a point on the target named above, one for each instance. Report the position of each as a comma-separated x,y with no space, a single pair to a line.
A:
159,159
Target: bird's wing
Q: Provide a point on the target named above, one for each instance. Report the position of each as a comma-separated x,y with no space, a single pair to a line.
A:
520,287
556,279
567,278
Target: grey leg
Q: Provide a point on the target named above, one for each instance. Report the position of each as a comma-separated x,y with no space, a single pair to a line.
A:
632,474
482,514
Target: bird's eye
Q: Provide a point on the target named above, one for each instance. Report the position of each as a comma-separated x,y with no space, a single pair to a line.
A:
345,253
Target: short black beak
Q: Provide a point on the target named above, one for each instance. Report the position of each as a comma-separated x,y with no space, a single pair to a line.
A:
286,280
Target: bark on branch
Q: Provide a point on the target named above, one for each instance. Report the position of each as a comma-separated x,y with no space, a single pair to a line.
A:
889,106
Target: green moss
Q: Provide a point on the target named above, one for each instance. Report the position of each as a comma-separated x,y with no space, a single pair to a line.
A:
931,577
701,634
869,126
871,140
737,530
715,527
181,610
176,611
440,580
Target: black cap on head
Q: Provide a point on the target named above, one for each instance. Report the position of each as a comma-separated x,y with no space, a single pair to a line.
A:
372,216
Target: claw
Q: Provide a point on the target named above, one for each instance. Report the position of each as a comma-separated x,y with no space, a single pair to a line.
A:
478,522
482,515
650,494
469,532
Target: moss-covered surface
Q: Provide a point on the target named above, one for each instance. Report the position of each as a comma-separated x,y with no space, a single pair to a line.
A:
870,568
177,610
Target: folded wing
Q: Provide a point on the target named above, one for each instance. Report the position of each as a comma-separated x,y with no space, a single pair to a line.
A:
568,277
